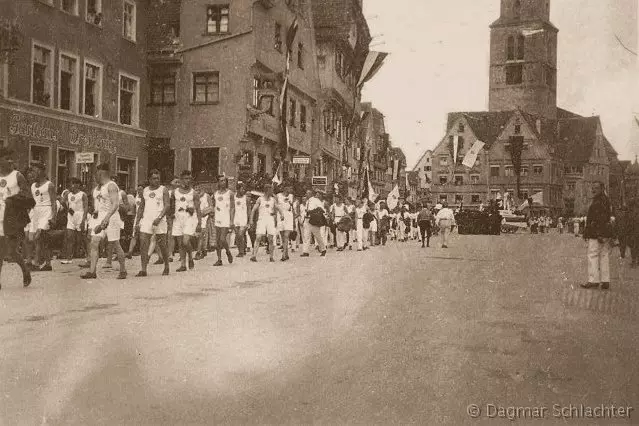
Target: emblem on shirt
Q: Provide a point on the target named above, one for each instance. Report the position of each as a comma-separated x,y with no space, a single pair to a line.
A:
152,195
37,193
239,203
3,183
72,198
182,199
220,199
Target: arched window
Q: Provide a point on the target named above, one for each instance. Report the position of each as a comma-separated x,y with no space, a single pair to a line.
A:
510,48
521,41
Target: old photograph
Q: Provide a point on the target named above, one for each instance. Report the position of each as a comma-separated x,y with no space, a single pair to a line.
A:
319,212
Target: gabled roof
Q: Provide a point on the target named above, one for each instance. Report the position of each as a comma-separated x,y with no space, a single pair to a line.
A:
486,125
421,157
577,137
564,113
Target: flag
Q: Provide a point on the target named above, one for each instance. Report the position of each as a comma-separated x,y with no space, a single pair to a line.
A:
372,64
372,196
531,32
276,178
455,146
290,39
471,156
283,118
393,198
395,170
538,199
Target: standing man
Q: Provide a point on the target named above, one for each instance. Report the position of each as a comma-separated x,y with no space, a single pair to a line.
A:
151,221
187,220
224,219
106,221
287,224
77,204
15,201
425,222
241,219
338,212
445,220
598,233
135,239
265,207
350,210
206,209
362,232
44,214
315,220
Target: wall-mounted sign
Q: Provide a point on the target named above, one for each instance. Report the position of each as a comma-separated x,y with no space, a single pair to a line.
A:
301,159
84,157
319,181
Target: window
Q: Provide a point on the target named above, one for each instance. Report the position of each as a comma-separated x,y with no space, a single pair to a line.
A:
510,48
300,55
302,117
261,164
217,19
92,90
293,113
66,168
475,199
68,83
38,154
517,129
509,171
205,164
459,180
474,179
514,74
524,170
521,40
459,198
206,87
460,143
517,9
339,63
94,12
550,76
126,173
278,37
571,186
443,179
461,128
163,89
443,161
538,170
494,171
129,100
42,76
129,20
429,168
70,6
524,194
443,198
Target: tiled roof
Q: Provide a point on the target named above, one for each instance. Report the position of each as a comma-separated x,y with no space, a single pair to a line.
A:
486,125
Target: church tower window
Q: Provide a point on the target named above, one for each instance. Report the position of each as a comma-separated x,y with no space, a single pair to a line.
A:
521,41
510,48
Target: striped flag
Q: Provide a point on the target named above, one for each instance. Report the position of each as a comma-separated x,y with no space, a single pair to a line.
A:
471,156
372,64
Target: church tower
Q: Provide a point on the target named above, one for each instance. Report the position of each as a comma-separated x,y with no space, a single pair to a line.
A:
523,59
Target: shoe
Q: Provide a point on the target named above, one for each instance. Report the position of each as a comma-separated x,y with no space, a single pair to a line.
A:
359,249
229,257
305,255
45,268
181,269
350,247
129,256
340,249
89,276
253,259
605,286
218,263
165,272
122,276
67,262
240,255
423,246
191,264
198,257
271,260
170,260
159,262
444,246
284,259
323,254
26,279
589,285
141,274
366,248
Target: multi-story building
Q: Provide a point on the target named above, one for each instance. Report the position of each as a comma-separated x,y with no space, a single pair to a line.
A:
73,86
531,145
216,70
424,167
375,148
342,39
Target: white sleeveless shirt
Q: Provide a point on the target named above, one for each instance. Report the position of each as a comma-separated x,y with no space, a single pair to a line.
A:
8,188
41,194
74,201
223,209
102,200
267,207
241,212
184,201
153,202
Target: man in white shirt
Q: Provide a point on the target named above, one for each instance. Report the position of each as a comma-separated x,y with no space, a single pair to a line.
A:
314,206
338,211
445,220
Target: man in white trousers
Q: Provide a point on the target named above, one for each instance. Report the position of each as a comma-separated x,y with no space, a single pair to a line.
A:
362,234
598,233
313,207
445,220
338,211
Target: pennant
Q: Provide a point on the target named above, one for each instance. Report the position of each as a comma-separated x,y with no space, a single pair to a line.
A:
528,33
276,178
455,146
538,199
372,196
471,156
290,35
393,198
395,170
372,64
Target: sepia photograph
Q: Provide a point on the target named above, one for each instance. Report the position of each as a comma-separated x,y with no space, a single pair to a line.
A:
319,212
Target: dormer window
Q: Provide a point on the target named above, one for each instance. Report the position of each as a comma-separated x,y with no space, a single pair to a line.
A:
517,129
461,128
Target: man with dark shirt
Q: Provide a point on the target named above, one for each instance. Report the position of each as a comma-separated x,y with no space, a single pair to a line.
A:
425,220
598,233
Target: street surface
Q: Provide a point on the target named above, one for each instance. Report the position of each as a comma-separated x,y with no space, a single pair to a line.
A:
394,335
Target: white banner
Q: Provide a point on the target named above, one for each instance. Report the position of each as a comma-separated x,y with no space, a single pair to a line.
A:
393,198
471,156
455,146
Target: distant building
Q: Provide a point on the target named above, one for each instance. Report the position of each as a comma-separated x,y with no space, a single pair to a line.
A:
424,167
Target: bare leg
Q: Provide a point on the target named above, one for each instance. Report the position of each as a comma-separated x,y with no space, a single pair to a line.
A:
271,247
145,240
284,235
69,240
256,246
120,255
94,253
162,244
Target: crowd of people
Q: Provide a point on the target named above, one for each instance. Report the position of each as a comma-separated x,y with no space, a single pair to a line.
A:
186,220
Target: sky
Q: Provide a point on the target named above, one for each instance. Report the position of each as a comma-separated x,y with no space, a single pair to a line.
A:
439,62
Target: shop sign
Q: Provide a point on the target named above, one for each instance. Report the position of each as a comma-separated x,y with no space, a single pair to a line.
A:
301,159
84,157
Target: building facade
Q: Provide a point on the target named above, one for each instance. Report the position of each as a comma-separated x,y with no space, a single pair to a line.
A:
73,86
424,168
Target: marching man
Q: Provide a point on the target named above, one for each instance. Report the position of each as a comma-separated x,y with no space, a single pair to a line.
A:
240,219
77,208
187,220
224,219
266,207
44,214
338,212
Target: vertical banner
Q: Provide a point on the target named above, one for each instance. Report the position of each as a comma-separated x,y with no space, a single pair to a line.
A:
395,170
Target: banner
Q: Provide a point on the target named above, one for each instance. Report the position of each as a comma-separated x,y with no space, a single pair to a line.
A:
471,156
455,147
276,178
372,64
393,198
537,199
395,170
284,118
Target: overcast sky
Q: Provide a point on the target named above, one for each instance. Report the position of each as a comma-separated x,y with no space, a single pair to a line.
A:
439,62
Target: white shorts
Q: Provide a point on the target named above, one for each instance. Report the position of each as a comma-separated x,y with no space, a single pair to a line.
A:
184,224
74,221
40,219
374,226
266,226
112,232
287,223
146,226
240,221
222,219
204,222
